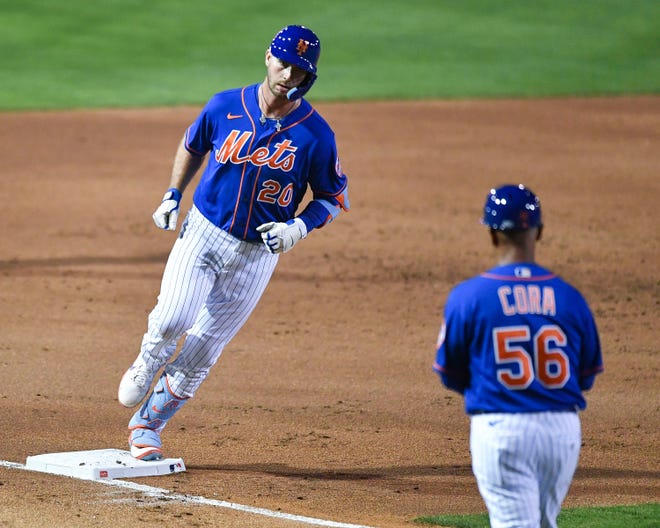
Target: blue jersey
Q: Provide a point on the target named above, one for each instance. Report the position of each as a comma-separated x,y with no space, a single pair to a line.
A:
518,339
259,172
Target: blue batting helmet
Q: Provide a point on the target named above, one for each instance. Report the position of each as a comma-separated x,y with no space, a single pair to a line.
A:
301,47
512,207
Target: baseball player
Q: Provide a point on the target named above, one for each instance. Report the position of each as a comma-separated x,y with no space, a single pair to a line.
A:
266,145
521,345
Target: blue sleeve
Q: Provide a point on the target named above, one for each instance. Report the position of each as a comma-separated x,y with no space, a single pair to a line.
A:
199,135
319,213
591,358
452,361
328,183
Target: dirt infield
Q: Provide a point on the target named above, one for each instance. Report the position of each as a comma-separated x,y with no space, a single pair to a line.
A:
325,404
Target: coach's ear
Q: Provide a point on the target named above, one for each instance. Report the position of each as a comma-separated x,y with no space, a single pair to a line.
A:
493,237
538,235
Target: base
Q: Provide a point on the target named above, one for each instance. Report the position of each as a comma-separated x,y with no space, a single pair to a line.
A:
102,464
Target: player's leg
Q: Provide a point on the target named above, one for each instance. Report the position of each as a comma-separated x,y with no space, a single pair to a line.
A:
186,282
240,282
146,424
559,450
228,306
504,469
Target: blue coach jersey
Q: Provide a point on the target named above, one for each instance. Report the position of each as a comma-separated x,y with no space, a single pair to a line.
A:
257,173
518,339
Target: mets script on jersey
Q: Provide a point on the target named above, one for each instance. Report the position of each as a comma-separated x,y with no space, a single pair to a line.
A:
282,157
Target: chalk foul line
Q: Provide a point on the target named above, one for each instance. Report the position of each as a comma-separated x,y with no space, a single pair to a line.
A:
163,493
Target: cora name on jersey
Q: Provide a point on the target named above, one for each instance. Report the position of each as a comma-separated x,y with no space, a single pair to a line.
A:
282,158
527,299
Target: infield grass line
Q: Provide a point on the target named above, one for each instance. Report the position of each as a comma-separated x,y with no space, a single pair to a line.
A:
123,53
162,493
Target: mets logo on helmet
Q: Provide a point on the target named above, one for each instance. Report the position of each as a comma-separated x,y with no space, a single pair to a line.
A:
302,46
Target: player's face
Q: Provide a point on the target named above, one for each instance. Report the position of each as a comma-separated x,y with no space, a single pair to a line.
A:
282,76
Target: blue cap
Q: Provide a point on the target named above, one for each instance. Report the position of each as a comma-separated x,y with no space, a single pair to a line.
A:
512,207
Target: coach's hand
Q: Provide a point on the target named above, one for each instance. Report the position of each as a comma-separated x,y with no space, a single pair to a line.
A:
167,213
280,237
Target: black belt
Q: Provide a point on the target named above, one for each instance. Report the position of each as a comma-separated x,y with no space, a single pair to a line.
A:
480,411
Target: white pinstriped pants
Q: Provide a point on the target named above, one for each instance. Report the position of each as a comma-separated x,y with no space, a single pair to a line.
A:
211,284
524,464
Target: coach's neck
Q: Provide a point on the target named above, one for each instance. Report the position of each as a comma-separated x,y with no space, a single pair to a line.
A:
516,246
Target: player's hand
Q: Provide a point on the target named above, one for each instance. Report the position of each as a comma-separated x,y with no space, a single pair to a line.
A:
167,213
280,237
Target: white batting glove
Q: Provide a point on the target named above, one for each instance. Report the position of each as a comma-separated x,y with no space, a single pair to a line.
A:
167,213
280,237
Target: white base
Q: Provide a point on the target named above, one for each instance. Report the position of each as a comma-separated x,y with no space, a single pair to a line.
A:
102,464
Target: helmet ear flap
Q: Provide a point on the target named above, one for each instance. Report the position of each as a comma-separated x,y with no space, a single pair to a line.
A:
300,90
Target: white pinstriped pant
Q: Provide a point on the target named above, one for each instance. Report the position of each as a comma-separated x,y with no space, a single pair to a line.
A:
211,284
524,464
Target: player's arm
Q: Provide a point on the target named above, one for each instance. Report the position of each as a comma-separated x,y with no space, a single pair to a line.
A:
452,360
185,166
280,237
329,186
330,195
189,157
591,357
321,210
453,375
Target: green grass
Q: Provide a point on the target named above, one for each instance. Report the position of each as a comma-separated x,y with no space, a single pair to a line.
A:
77,53
638,516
